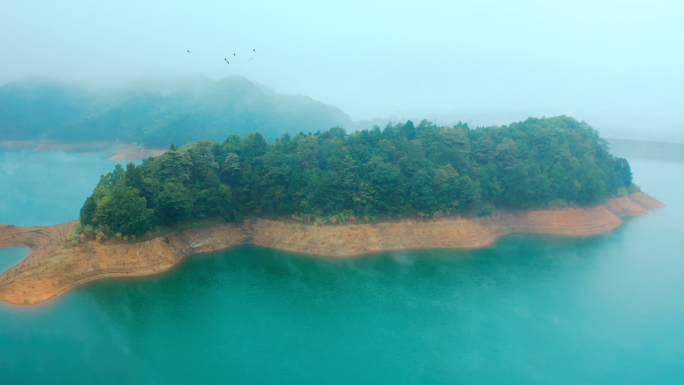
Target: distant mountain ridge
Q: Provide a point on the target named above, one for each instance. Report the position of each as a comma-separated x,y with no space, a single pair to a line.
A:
158,114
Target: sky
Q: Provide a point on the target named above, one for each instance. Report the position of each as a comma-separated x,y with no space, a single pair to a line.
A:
619,65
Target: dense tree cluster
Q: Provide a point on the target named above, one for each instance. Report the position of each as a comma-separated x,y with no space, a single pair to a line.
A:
401,170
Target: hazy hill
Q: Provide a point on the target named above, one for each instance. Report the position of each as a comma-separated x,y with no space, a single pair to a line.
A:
158,114
29,110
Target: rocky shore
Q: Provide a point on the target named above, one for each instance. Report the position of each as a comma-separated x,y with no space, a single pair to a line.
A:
55,267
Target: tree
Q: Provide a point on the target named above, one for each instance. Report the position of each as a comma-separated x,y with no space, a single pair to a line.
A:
230,169
103,209
129,211
134,176
253,145
624,171
173,203
422,196
410,130
173,165
88,210
307,151
203,160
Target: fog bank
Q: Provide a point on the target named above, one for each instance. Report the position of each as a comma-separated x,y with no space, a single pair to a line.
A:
619,65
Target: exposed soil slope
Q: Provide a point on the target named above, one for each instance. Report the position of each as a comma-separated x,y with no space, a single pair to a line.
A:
54,267
646,201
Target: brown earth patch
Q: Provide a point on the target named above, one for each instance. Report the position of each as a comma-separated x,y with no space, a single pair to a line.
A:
135,152
625,207
55,267
121,151
646,201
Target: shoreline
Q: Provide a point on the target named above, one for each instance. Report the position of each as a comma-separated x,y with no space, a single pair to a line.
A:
53,267
119,151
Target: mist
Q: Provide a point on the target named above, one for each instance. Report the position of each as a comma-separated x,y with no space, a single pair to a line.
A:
619,65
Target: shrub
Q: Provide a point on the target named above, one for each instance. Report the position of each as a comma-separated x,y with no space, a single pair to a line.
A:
558,203
88,231
485,210
75,232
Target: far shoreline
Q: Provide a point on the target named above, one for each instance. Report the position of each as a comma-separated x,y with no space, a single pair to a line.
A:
117,150
54,267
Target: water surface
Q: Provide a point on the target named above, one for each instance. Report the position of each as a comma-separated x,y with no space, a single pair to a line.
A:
531,309
45,188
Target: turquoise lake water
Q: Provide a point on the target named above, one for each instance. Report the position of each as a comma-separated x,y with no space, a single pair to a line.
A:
531,309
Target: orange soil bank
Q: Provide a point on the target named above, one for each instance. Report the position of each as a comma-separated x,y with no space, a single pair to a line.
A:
55,267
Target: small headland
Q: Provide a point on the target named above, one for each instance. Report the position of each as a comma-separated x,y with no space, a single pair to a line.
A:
55,266
120,151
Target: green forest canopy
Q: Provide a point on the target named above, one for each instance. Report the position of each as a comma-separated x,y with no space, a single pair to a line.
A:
401,170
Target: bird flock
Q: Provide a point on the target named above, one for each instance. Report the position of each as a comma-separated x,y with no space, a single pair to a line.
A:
234,55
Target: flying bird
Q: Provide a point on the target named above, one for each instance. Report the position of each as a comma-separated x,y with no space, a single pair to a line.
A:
253,50
188,51
233,54
250,58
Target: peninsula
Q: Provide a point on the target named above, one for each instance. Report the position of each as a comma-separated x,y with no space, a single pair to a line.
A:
335,194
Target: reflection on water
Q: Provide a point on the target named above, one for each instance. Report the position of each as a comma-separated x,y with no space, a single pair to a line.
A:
530,309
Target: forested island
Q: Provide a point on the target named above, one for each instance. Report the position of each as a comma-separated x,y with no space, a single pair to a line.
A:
403,187
403,170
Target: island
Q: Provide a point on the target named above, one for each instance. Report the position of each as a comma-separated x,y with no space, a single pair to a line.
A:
332,194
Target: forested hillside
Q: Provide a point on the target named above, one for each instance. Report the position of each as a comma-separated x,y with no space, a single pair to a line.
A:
401,170
158,114
31,110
